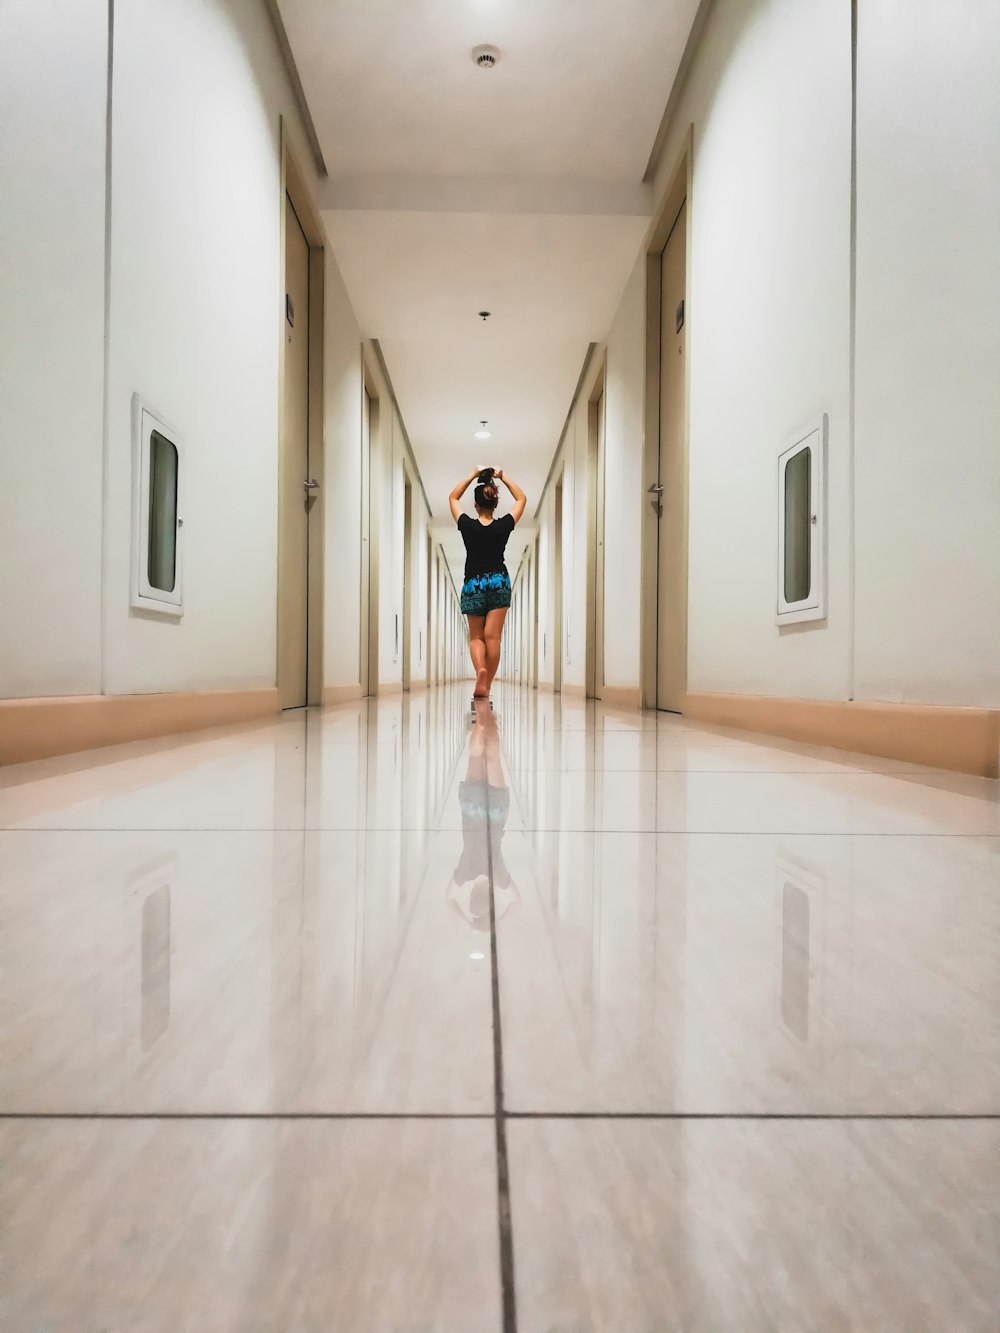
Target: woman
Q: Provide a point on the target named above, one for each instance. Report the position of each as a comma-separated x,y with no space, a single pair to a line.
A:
486,590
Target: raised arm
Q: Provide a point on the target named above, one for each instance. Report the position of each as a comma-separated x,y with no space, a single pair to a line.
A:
520,499
455,497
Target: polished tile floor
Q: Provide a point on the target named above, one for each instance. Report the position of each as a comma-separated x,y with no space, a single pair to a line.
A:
558,1018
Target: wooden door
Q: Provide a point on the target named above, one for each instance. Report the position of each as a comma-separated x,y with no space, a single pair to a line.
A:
294,489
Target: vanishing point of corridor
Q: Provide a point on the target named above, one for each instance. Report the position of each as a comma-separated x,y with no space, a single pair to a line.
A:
558,1017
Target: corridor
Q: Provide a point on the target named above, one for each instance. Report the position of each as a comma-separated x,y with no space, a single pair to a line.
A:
499,666
396,1016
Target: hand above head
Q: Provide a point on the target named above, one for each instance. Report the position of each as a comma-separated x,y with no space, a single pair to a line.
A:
498,474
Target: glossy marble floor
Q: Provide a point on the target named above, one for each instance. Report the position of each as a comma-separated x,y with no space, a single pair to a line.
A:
555,1018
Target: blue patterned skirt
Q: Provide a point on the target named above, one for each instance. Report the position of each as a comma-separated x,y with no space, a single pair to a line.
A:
484,593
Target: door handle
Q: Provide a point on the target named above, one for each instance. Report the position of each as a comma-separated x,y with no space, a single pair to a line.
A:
311,485
655,489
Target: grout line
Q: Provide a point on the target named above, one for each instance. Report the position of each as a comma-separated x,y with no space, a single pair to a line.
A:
247,1115
507,1115
506,1237
753,1115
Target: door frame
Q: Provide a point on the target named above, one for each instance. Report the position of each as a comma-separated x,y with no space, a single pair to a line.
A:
293,184
597,402
677,192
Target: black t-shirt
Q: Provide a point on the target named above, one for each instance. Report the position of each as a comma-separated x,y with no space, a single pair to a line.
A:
485,544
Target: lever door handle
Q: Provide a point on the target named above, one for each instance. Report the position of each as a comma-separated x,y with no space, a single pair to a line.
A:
311,485
655,489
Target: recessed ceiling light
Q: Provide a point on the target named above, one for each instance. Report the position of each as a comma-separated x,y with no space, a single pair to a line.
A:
477,957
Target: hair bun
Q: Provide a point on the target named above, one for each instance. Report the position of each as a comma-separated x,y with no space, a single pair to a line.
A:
486,476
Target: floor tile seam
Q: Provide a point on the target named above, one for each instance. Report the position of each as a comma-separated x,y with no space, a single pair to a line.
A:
485,1117
804,1116
505,1237
262,829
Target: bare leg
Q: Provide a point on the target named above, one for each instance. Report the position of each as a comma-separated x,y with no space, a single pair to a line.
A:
477,651
492,633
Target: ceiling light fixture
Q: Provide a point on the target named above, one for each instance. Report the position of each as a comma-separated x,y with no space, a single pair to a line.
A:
486,57
483,433
484,315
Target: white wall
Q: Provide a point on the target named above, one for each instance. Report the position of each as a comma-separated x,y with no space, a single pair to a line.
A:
769,345
195,300
195,250
768,339
928,353
53,96
768,333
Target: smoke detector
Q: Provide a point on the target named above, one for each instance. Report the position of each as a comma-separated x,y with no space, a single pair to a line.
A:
486,56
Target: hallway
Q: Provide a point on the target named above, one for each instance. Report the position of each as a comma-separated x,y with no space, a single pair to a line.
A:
645,349
288,1004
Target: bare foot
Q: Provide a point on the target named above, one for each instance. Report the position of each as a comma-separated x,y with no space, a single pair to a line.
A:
482,690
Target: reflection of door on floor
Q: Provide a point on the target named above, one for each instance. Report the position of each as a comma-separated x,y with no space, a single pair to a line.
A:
595,626
671,655
369,546
534,613
557,601
425,651
293,559
407,581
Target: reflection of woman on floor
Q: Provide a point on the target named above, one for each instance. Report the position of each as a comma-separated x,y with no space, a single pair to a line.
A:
485,803
486,590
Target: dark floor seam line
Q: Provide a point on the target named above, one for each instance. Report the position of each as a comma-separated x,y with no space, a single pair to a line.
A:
247,1115
752,1115
506,1238
491,1115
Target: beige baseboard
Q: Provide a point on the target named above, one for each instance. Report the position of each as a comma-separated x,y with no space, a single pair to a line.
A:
574,691
964,740
621,696
41,728
386,687
341,694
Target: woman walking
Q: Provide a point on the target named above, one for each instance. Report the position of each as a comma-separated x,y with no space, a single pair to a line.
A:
486,590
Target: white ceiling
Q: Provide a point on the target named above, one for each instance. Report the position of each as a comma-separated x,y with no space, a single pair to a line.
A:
579,90
418,280
517,190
